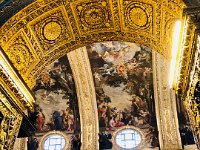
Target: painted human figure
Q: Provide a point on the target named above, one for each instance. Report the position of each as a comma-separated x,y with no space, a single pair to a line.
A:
40,120
58,120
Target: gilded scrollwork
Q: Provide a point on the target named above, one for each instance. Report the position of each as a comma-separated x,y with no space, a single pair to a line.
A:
52,30
186,56
10,124
191,100
92,16
11,82
138,16
80,23
20,51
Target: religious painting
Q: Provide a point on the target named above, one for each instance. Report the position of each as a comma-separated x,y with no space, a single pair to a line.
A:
56,100
123,79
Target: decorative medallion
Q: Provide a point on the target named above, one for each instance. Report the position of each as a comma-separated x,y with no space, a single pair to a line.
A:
52,31
21,53
93,15
138,16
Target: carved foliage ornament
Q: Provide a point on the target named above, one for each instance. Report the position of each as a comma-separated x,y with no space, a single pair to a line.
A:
52,29
10,124
56,27
92,16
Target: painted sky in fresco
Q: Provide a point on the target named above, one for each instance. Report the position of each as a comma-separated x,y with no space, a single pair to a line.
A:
57,106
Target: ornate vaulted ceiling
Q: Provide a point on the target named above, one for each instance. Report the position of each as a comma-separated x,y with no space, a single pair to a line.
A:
46,30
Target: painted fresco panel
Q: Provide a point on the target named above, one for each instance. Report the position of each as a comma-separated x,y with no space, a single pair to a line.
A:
124,86
56,100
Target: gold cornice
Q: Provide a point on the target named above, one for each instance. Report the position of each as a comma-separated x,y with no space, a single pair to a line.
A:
82,23
14,85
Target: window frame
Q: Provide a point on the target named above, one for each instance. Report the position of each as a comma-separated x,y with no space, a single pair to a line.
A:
138,147
44,137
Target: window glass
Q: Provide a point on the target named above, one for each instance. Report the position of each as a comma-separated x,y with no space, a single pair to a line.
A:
54,142
128,138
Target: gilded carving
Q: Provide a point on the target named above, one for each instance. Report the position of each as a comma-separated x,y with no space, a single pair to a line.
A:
79,23
52,29
86,97
191,99
137,16
10,124
20,51
187,46
11,82
91,16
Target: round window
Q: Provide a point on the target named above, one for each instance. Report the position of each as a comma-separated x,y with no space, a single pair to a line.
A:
55,140
128,138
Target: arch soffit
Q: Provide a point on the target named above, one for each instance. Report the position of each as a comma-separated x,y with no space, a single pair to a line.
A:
31,43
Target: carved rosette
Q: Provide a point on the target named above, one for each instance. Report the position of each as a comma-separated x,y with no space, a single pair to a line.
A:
92,16
52,29
83,78
137,16
165,102
191,100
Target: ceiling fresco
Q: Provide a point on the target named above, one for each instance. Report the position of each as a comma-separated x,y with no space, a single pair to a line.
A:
122,74
56,101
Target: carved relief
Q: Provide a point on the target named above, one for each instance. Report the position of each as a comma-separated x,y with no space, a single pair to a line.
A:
79,23
186,56
192,98
137,16
86,97
20,51
165,107
52,29
91,16
10,124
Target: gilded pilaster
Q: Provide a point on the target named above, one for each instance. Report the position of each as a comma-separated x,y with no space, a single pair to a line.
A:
165,102
82,74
